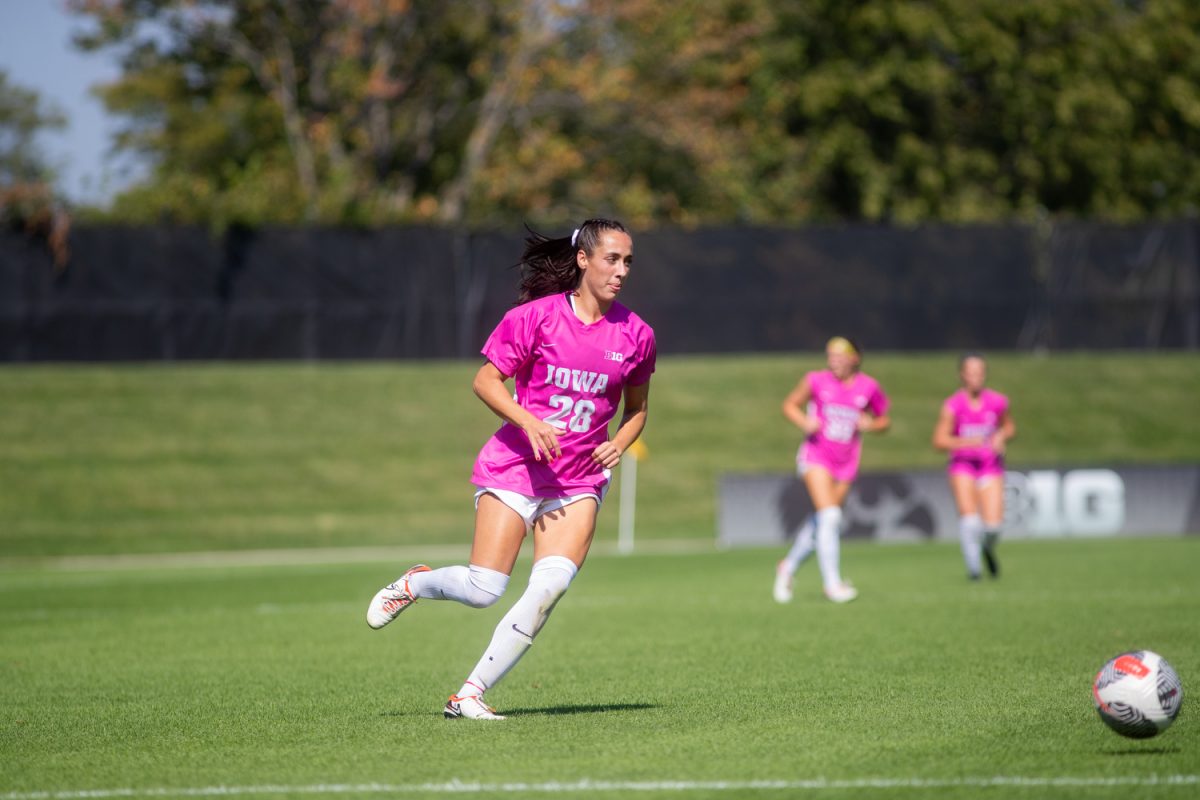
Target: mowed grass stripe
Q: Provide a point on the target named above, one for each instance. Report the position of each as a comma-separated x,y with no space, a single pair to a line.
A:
284,556
120,459
655,669
590,786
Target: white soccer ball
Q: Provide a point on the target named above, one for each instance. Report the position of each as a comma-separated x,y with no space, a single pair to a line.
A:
1138,694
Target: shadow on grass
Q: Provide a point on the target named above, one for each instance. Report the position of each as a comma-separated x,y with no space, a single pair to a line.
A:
544,711
1143,751
580,709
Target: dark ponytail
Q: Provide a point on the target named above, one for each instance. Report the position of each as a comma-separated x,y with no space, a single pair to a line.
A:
548,266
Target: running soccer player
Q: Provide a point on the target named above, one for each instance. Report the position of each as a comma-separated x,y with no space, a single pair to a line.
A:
834,407
975,427
574,354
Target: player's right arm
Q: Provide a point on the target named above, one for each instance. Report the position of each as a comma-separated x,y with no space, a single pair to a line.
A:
489,387
795,407
943,439
943,433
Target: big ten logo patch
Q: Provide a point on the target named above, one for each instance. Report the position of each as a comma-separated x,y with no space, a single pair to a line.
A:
1088,502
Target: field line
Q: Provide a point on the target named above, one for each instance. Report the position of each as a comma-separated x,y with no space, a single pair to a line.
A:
300,556
554,787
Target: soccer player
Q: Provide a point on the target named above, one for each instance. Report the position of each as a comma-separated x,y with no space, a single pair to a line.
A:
834,407
574,354
975,427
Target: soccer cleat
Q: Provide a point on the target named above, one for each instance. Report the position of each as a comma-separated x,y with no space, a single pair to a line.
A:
841,592
783,583
469,707
389,601
989,554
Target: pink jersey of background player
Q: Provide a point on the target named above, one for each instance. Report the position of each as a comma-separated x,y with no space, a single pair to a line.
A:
571,375
976,419
837,445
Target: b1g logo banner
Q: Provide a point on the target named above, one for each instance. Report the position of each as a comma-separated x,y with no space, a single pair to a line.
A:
917,505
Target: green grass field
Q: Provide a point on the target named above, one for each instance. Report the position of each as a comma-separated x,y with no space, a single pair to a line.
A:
136,663
119,459
658,676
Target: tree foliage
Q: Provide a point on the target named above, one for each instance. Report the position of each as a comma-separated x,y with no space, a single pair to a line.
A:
27,199
380,111
23,115
984,110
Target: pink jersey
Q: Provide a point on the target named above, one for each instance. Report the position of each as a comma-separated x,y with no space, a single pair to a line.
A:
571,375
838,406
980,419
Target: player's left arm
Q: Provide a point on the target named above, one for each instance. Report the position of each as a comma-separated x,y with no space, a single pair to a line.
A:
870,423
633,420
875,419
1005,432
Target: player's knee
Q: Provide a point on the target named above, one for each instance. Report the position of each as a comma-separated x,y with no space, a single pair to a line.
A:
480,598
484,586
829,518
552,589
551,576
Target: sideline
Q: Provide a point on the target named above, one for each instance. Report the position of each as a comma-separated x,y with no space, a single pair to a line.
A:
554,787
284,557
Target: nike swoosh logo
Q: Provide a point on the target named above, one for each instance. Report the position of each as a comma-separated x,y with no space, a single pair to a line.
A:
528,636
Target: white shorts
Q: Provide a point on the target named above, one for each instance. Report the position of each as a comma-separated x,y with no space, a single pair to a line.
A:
529,508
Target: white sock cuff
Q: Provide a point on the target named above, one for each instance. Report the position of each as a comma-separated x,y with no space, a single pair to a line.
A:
831,515
487,580
550,564
973,521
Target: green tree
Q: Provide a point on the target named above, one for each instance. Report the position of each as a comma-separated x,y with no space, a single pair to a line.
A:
919,110
27,198
701,111
23,115
360,111
911,110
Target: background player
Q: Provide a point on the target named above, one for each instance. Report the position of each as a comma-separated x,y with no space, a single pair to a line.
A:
975,427
834,407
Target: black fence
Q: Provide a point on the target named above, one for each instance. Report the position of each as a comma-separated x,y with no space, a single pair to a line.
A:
180,293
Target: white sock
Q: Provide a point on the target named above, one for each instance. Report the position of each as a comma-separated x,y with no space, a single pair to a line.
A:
474,586
970,536
548,580
829,528
803,547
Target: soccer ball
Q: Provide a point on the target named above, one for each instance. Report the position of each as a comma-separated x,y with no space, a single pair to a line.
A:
1138,694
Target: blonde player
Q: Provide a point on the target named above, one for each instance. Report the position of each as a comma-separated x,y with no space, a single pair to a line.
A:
575,354
975,427
834,407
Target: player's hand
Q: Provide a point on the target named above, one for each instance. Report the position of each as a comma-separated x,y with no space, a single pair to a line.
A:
543,437
811,425
865,424
998,443
607,455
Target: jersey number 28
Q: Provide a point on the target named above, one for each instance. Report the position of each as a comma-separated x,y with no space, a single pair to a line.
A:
580,412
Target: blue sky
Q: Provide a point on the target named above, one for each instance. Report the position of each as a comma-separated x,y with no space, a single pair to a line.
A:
36,52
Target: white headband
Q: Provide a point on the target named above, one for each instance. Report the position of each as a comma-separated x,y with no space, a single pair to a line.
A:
574,236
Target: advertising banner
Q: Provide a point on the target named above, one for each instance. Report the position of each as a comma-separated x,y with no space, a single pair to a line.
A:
767,509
